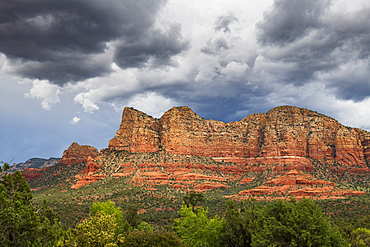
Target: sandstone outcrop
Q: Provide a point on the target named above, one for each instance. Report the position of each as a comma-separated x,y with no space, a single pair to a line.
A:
298,184
175,171
87,180
284,135
138,132
88,177
91,166
32,173
76,154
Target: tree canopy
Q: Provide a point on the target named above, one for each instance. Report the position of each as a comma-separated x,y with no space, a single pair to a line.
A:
294,223
98,231
109,208
196,229
21,223
241,222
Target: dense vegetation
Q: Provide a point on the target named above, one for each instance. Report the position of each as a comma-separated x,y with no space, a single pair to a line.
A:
175,219
21,223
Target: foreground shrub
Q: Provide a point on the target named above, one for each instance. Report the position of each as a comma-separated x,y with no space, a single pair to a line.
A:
98,231
360,237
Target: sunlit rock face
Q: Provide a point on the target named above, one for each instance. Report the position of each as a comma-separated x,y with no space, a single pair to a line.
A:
76,154
138,132
285,133
287,151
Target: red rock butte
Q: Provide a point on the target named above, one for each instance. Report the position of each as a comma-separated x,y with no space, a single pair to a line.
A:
284,135
76,154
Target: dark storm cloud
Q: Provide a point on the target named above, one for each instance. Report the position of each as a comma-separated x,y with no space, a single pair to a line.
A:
305,39
220,105
59,40
219,100
70,69
155,44
291,19
223,22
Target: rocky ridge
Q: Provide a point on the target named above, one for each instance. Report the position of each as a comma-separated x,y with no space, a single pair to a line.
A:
34,163
287,151
285,134
77,154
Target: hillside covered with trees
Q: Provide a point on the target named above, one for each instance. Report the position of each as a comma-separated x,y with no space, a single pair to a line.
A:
26,222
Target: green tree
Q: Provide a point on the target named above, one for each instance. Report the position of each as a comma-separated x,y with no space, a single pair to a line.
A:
131,216
196,229
240,223
145,227
98,231
21,223
360,237
45,212
109,208
292,223
192,198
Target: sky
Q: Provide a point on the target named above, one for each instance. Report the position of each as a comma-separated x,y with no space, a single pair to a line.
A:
68,68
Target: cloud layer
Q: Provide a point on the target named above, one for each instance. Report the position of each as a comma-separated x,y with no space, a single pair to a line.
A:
87,59
117,51
314,43
72,40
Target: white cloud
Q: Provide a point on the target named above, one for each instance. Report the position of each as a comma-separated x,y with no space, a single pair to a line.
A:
234,71
315,96
45,91
227,70
75,120
2,61
87,104
234,53
152,104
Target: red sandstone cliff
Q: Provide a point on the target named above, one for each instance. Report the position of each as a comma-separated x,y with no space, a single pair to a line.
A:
76,154
138,132
284,132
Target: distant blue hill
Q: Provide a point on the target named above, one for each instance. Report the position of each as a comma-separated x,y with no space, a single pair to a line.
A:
35,163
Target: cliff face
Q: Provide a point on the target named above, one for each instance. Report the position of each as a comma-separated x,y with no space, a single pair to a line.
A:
138,132
76,154
283,132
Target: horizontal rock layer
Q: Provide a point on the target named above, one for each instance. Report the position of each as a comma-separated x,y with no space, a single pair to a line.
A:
284,134
298,184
